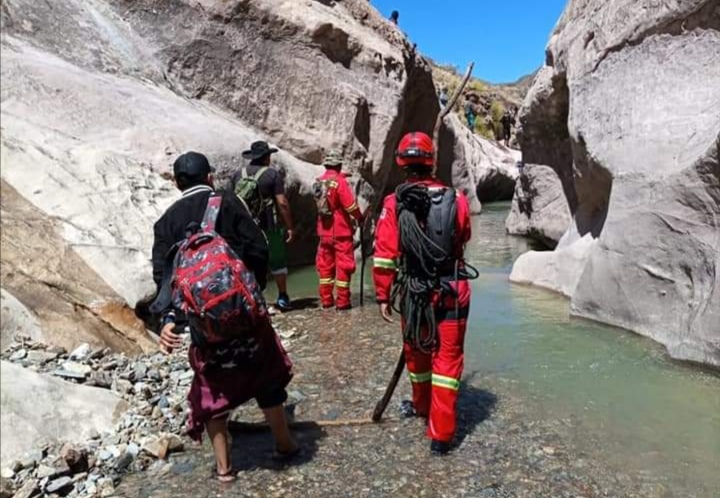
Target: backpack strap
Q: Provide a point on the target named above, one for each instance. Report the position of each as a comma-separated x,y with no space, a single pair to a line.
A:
211,213
260,173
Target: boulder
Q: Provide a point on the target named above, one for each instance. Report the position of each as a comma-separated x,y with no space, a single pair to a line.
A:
16,319
539,207
67,412
626,113
484,170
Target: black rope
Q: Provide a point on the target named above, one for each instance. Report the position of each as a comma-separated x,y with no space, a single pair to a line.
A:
419,268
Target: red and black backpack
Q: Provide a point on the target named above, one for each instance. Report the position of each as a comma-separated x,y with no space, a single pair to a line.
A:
211,285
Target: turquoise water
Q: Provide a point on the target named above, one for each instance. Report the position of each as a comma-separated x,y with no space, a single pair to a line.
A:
625,401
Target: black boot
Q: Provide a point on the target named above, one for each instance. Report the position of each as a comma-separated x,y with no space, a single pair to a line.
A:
439,448
407,409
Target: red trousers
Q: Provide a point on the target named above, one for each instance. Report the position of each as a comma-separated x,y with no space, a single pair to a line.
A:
435,376
335,264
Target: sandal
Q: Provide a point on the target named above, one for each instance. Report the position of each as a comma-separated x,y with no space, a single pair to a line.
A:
227,477
285,456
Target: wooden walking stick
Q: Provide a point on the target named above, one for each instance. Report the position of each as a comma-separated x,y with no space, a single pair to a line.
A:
444,112
382,404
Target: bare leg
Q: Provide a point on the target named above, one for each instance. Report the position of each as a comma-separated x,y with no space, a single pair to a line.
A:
220,438
281,281
277,421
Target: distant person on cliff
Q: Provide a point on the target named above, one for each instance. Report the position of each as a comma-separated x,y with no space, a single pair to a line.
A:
395,16
443,98
233,361
470,112
419,261
263,189
508,122
337,208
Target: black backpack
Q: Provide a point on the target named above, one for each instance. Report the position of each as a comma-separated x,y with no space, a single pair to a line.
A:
426,219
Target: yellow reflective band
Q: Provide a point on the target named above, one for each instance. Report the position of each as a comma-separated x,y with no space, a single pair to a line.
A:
343,284
352,207
385,263
325,281
447,382
418,378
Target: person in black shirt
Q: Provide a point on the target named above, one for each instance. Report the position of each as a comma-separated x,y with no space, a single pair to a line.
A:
230,373
272,189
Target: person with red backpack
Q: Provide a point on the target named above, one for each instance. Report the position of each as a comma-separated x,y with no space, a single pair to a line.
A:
419,271
210,262
337,207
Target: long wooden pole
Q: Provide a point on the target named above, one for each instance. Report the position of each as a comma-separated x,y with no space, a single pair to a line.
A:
382,404
448,108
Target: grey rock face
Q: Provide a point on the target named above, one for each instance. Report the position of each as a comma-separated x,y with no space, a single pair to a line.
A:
539,208
483,170
68,412
627,112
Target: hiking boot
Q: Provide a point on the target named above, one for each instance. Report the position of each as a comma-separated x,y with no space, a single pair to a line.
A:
439,448
283,303
407,409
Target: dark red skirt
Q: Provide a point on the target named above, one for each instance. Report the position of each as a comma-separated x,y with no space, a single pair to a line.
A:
228,375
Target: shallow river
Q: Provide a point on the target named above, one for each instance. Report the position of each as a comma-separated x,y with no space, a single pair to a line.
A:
630,405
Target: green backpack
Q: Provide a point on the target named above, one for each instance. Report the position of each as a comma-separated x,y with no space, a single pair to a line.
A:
247,188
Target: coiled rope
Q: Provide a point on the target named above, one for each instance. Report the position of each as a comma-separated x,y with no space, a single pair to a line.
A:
419,268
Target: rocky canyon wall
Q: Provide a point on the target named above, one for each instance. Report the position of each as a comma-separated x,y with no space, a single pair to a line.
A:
626,112
100,96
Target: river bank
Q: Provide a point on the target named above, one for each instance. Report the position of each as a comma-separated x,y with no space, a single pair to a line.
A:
550,406
343,362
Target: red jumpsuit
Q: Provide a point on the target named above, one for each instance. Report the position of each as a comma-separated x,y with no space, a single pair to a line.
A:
335,259
435,377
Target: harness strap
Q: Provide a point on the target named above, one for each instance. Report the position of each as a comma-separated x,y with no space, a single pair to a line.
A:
211,213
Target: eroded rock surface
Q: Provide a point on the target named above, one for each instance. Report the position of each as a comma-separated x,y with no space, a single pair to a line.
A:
539,207
627,112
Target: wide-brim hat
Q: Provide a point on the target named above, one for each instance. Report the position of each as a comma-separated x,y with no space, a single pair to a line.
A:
259,149
333,158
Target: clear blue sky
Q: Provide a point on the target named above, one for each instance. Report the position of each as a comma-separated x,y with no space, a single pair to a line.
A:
505,38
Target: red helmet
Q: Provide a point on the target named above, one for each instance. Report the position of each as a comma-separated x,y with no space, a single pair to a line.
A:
415,148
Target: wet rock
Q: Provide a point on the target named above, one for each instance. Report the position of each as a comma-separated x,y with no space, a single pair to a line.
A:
61,486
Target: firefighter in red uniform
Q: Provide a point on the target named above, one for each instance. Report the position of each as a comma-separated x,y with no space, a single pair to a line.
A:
335,259
431,285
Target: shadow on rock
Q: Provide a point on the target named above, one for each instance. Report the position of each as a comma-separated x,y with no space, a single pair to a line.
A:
305,303
253,445
474,406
